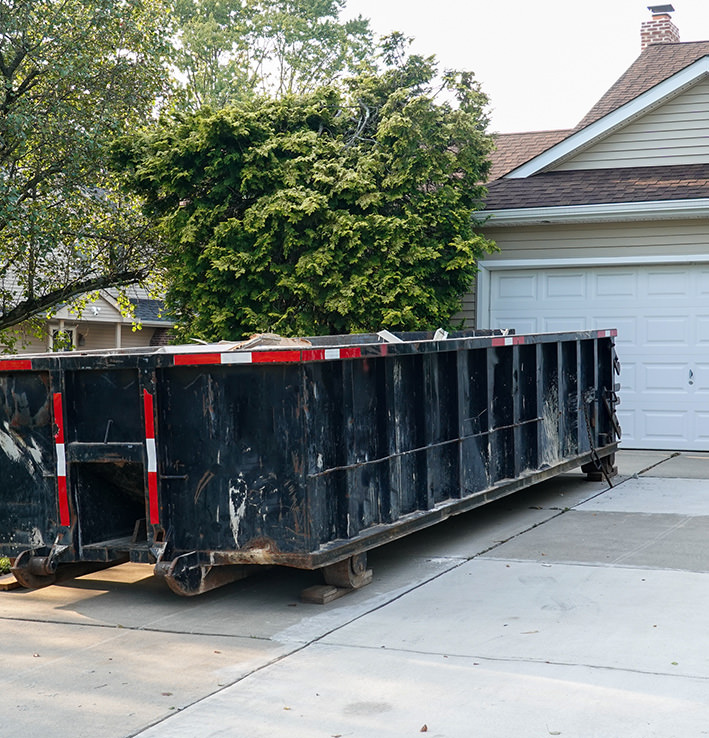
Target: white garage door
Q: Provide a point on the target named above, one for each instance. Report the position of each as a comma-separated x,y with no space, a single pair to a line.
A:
662,317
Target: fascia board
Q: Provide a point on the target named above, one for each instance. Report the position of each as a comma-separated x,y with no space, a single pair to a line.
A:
632,109
598,213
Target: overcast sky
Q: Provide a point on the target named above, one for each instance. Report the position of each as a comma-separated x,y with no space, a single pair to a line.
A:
543,64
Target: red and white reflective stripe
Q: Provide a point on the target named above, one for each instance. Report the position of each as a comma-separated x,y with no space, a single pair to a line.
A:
15,365
268,357
152,459
607,334
508,341
62,492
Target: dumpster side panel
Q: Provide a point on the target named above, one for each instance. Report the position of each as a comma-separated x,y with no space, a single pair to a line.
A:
28,503
440,427
231,457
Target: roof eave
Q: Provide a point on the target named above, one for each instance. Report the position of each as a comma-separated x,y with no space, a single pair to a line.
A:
597,213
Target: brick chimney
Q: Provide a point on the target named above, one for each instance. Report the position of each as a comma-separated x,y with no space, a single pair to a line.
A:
659,30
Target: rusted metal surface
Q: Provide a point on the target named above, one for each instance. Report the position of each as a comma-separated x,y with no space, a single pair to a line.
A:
208,460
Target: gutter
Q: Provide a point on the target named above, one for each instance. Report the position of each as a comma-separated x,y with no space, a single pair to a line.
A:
597,213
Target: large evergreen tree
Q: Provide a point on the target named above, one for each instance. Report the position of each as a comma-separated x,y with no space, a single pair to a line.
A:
335,211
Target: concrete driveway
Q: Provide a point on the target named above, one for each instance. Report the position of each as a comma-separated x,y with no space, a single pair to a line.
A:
569,609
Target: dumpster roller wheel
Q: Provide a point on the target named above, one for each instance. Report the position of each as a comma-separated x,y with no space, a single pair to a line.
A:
341,578
352,573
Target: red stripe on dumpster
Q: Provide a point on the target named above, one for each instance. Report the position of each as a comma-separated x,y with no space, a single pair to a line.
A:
62,494
149,418
351,353
508,341
186,359
264,357
153,498
314,355
268,357
607,334
151,456
58,418
15,365
64,517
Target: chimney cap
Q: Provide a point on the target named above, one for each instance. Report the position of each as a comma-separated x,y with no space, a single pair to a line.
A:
660,8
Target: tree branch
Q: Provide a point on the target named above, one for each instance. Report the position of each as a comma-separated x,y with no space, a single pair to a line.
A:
30,308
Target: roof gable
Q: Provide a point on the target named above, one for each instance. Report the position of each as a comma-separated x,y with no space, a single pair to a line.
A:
674,133
634,108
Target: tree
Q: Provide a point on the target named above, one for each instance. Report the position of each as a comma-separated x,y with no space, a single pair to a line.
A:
330,212
229,50
74,74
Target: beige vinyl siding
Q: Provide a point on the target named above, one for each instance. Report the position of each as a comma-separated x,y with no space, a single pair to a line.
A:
96,336
28,343
137,338
103,336
602,240
466,315
675,133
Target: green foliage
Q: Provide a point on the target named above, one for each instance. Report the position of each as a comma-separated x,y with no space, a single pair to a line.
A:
73,75
229,50
330,212
5,565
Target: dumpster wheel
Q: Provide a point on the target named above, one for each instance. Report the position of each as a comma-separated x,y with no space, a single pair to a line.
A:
352,573
341,578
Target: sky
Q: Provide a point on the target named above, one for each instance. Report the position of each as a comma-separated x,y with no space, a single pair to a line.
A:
543,64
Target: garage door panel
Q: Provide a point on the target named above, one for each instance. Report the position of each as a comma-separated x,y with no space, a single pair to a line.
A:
667,283
702,427
702,330
702,281
613,283
700,377
517,287
668,425
666,331
662,317
563,286
666,378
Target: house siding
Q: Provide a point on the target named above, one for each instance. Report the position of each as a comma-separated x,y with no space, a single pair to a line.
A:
601,240
675,133
466,315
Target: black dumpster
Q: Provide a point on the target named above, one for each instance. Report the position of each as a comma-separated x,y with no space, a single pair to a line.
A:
208,460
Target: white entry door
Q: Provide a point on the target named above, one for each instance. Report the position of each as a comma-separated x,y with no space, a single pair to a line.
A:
662,317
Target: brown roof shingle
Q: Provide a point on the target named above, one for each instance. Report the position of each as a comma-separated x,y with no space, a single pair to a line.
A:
600,186
514,149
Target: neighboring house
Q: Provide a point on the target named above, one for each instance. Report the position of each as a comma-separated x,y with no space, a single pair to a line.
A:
103,326
607,226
